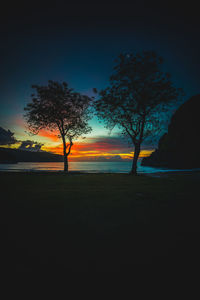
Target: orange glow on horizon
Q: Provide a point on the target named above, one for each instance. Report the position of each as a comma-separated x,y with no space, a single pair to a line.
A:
76,152
52,135
90,148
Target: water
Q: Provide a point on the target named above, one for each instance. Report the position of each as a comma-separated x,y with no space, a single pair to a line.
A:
88,167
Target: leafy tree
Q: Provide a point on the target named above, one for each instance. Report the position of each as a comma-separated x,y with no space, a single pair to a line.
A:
58,107
137,94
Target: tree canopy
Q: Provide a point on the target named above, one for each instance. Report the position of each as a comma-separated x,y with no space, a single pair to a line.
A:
137,93
58,107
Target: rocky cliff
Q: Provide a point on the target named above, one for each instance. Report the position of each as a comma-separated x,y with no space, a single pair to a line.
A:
179,147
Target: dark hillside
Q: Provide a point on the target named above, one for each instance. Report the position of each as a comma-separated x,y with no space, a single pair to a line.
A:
179,148
15,155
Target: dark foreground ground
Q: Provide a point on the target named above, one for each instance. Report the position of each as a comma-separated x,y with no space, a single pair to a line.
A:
54,223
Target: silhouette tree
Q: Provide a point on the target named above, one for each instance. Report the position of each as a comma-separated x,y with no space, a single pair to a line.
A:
137,94
58,107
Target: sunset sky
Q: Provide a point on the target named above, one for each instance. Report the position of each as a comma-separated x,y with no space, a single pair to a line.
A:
44,44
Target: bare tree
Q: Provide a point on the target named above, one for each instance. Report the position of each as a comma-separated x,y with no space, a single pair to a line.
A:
137,95
58,107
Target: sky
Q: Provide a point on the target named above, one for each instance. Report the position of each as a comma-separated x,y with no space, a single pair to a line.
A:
78,43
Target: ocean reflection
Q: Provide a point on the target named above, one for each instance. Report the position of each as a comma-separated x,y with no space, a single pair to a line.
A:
88,167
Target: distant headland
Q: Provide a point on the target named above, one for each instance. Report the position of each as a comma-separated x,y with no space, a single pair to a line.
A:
8,155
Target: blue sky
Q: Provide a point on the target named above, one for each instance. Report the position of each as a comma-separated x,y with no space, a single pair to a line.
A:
81,51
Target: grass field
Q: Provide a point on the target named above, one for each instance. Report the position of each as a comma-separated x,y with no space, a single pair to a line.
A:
98,223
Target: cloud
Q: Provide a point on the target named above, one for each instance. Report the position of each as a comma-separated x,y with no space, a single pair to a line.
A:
30,146
104,144
100,149
6,137
114,158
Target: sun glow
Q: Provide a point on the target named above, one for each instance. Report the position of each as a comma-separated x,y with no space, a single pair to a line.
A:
91,148
78,152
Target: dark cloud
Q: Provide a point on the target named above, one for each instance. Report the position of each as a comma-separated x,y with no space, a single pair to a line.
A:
115,158
117,141
30,146
6,137
104,144
109,143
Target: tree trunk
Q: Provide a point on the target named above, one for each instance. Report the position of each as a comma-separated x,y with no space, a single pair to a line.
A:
66,152
65,163
135,159
65,158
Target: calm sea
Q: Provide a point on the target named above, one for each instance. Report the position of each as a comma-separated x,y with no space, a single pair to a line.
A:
88,167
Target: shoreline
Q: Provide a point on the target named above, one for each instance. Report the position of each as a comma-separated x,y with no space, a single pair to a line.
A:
162,174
